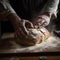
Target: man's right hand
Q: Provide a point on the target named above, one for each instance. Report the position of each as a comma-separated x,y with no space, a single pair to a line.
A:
20,25
21,29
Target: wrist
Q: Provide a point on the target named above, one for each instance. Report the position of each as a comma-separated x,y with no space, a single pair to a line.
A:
14,17
48,14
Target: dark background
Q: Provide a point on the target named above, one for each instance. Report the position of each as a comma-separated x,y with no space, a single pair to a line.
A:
7,26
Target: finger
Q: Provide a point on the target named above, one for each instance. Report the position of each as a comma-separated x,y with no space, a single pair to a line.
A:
23,27
43,24
21,33
37,22
20,36
29,23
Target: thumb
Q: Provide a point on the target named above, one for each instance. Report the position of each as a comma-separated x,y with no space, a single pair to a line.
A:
28,24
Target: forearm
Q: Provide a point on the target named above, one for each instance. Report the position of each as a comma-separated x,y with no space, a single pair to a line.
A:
6,11
14,18
8,6
51,7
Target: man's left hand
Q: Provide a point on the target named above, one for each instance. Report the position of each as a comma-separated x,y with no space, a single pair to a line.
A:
42,20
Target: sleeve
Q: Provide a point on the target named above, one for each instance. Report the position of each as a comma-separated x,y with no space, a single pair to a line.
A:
51,6
8,6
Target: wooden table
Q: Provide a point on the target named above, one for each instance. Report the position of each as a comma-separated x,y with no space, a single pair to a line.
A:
9,48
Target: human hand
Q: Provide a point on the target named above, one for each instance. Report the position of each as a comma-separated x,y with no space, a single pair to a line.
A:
42,20
20,25
20,28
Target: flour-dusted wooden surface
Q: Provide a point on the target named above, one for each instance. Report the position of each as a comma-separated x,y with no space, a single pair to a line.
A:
52,44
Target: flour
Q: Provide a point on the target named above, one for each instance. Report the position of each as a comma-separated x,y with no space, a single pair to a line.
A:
51,44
